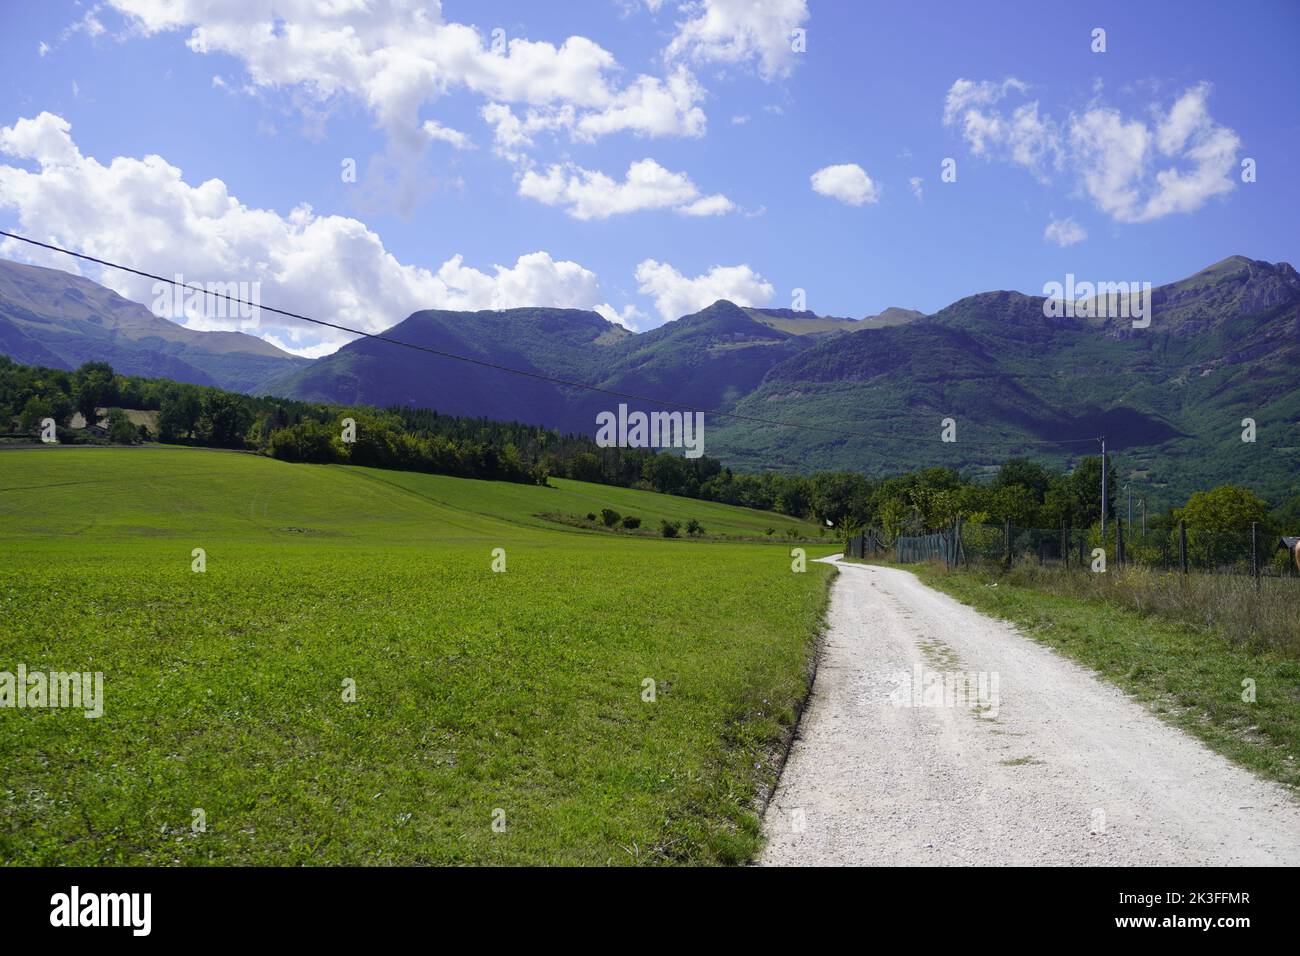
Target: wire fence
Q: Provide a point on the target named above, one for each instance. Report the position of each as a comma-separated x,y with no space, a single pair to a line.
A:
1249,551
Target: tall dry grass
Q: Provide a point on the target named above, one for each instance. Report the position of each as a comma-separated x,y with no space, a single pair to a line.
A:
1263,619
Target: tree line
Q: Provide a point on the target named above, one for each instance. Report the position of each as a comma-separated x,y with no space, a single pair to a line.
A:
1022,491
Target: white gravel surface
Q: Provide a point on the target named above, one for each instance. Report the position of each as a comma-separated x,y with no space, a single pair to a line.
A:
1065,770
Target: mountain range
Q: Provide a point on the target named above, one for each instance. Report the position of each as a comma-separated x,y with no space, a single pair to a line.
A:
868,394
58,320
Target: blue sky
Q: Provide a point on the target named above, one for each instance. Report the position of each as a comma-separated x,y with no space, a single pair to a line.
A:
1133,153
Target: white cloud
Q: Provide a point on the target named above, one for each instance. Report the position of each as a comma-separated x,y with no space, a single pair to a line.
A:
847,182
631,318
88,24
513,135
715,205
587,194
1023,137
676,295
737,31
396,56
290,343
143,214
1137,172
647,107
965,95
535,279
1134,169
915,185
456,138
1064,232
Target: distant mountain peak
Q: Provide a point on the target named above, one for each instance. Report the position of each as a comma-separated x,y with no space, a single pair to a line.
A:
53,318
1237,264
893,315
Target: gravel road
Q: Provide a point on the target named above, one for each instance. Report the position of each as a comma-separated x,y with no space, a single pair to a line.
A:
1055,768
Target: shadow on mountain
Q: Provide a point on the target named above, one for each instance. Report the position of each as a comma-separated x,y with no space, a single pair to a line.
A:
1122,427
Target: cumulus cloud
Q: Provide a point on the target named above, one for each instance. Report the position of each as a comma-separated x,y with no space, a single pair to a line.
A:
847,182
586,194
142,213
1134,169
1137,172
1064,232
647,107
397,56
915,184
435,130
1022,137
739,31
676,295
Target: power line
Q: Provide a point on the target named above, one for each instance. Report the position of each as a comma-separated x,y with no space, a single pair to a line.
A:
380,337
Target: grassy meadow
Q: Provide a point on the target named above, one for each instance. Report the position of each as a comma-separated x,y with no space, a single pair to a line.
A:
479,696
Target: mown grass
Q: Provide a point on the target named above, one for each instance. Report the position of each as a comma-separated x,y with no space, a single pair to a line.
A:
1193,674
526,504
476,691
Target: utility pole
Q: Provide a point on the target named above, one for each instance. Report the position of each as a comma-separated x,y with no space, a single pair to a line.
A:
1104,502
1129,491
1143,502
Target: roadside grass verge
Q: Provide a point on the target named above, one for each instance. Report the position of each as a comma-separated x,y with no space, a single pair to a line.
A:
1193,675
1262,619
476,691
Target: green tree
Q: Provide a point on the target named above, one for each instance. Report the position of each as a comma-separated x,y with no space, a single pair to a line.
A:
892,514
1218,524
309,441
1225,508
1014,502
585,467
120,429
795,497
179,416
667,474
837,495
93,385
1079,494
225,420
1027,474
34,412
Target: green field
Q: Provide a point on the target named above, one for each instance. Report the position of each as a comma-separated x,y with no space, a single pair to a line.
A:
476,691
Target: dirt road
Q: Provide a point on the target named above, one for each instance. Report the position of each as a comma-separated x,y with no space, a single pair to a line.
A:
1042,763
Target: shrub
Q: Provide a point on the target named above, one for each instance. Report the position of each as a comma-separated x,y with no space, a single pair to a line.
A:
631,522
668,528
590,516
120,429
694,528
610,517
